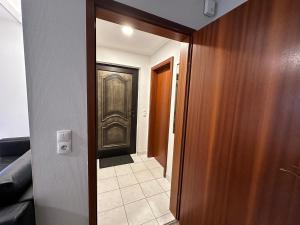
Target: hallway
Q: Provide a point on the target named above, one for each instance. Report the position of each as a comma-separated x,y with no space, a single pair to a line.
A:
133,193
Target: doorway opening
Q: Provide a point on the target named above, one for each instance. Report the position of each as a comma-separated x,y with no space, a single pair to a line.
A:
131,141
135,104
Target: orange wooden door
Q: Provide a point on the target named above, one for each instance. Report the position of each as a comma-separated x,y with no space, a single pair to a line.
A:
161,85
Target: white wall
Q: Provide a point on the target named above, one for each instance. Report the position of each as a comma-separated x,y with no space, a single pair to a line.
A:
13,96
55,56
172,48
142,63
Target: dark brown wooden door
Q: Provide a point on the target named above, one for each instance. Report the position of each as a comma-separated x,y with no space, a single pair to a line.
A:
242,147
161,84
117,110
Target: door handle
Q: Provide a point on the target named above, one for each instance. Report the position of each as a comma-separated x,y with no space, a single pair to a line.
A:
290,172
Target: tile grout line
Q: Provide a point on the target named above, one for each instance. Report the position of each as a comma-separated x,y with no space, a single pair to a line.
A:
151,195
135,201
119,188
165,215
156,195
151,211
139,185
139,170
123,204
122,201
109,190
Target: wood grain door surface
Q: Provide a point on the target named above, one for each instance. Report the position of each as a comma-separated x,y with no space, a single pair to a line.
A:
116,101
161,84
242,147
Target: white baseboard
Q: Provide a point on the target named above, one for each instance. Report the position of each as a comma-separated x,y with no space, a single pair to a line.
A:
141,153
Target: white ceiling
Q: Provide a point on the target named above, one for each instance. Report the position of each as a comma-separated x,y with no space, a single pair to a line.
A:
16,4
185,12
5,15
13,7
110,35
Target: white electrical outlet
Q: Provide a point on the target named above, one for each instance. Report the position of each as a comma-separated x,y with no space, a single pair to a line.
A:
64,141
210,8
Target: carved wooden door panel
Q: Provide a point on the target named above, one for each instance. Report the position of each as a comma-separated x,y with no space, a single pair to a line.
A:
116,110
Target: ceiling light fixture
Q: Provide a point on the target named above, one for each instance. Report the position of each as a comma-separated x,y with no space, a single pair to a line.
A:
127,30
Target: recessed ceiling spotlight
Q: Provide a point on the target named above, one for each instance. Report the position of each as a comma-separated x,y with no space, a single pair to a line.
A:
127,30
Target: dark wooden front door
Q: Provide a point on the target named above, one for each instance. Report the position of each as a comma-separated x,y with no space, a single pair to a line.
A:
161,85
116,110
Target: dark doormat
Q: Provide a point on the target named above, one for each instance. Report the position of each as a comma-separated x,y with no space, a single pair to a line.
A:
115,161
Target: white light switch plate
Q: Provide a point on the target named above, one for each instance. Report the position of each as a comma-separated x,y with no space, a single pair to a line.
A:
64,141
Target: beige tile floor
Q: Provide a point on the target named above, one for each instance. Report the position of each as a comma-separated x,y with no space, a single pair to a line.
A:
133,194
